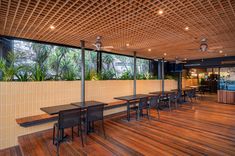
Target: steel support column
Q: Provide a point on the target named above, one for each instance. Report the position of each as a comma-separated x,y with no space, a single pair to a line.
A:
163,76
82,71
134,87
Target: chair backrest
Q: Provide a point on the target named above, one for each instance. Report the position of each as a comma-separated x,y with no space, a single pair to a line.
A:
95,113
69,118
172,96
179,94
194,92
154,100
189,93
143,103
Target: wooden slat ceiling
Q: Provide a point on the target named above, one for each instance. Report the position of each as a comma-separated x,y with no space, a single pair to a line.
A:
136,22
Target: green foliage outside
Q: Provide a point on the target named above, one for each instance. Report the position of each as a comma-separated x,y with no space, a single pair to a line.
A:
171,76
40,62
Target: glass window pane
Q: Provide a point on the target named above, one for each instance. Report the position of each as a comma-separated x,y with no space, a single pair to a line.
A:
117,66
142,66
58,62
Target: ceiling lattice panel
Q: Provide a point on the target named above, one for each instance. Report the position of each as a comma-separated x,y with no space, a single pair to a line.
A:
136,22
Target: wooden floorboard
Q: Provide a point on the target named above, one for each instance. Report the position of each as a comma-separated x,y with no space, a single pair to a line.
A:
204,128
12,151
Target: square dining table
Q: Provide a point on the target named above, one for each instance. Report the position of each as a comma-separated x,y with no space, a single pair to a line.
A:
129,99
52,110
87,104
160,92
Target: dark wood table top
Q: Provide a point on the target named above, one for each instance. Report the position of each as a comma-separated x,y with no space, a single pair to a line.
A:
87,104
183,89
132,97
56,109
160,92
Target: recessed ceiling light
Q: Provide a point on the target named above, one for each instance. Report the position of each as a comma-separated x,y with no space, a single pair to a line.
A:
186,28
220,51
165,54
127,44
185,59
160,12
149,50
225,54
52,27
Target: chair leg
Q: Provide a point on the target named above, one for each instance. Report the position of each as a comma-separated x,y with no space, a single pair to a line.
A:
147,113
72,133
80,129
58,142
169,104
87,127
54,135
138,114
158,113
103,129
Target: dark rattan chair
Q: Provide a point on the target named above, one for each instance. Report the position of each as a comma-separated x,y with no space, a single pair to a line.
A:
94,113
143,104
154,104
173,99
67,119
165,100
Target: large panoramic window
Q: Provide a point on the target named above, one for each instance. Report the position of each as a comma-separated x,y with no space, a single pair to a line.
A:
32,61
43,61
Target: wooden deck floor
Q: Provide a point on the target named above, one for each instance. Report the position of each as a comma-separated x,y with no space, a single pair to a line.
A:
207,128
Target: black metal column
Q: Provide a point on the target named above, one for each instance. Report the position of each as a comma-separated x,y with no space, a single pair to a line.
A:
99,62
159,71
163,76
134,87
83,71
179,81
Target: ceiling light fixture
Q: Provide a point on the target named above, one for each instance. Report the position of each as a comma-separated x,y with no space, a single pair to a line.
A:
225,54
203,45
186,28
164,54
149,50
220,51
185,59
160,12
52,27
127,44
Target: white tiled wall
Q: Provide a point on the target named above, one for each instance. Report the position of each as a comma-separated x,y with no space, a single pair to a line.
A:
21,99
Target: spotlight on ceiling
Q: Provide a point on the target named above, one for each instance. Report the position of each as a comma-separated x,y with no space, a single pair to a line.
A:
186,28
220,51
164,54
160,12
127,44
52,27
149,50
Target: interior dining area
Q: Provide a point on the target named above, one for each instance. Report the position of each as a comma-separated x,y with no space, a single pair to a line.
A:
117,77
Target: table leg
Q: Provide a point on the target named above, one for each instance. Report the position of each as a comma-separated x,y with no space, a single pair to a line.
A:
128,111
